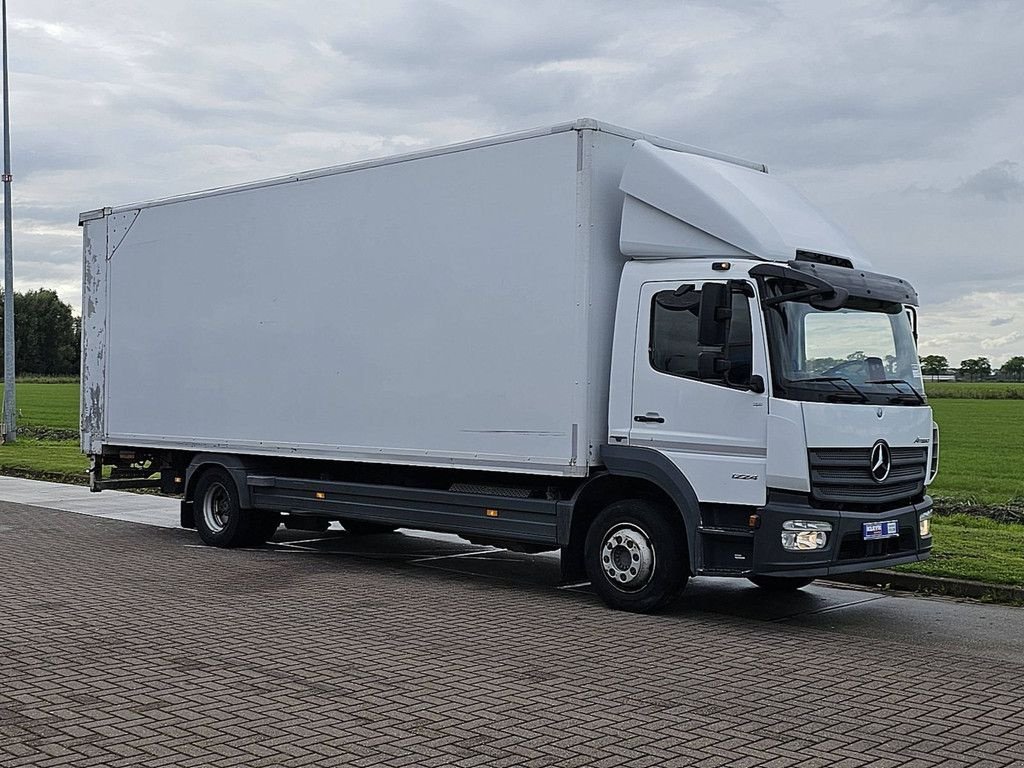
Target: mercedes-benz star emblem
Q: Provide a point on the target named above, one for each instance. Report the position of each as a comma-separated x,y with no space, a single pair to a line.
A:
881,461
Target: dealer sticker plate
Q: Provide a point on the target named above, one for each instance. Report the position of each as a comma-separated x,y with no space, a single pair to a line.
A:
883,529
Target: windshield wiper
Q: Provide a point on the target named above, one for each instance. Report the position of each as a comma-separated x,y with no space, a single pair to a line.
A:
832,380
894,382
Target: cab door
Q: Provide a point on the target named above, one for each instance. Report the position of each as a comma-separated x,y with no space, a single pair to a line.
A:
709,418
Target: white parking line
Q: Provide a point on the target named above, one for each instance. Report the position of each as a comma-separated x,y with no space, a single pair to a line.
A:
483,551
574,586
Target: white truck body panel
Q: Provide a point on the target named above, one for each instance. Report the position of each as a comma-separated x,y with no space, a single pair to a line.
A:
449,308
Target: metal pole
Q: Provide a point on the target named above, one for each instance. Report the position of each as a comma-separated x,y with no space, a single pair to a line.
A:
10,426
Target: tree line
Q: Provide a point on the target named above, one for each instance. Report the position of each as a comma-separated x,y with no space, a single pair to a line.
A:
47,335
973,368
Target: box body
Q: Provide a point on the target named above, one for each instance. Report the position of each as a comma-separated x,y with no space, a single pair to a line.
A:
449,308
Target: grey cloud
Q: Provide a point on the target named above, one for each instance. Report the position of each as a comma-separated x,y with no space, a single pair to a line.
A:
997,321
41,157
1001,182
162,98
921,189
858,92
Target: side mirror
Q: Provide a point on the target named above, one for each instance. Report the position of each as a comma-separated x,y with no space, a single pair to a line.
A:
756,384
715,315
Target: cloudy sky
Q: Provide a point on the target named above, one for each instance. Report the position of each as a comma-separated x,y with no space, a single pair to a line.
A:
905,120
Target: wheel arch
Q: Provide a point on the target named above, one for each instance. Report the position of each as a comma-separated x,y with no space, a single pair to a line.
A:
235,466
631,473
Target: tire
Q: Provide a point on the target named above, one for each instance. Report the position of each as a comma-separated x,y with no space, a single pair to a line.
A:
220,520
781,583
635,555
363,528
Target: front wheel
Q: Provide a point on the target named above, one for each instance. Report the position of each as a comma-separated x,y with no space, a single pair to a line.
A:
780,583
635,555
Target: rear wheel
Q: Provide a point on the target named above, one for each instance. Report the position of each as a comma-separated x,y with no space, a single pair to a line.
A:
219,518
635,555
363,528
781,583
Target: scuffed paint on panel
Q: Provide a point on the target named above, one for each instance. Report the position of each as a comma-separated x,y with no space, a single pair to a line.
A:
94,330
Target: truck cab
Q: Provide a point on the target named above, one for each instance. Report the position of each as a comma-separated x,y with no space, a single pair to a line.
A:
758,362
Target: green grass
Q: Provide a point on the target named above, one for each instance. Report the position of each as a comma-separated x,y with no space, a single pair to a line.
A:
975,548
49,459
47,405
981,456
978,390
46,411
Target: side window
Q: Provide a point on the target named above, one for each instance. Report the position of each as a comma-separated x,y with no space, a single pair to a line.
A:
674,349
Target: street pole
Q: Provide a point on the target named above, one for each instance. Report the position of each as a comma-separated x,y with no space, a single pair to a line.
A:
10,412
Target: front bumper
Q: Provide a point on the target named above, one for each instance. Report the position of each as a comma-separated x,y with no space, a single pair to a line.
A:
846,550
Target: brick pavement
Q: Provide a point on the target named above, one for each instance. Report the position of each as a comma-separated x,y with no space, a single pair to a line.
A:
121,646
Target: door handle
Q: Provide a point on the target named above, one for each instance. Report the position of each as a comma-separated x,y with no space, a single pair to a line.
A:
650,418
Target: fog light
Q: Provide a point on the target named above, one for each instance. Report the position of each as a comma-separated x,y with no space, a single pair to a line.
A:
803,535
924,524
804,540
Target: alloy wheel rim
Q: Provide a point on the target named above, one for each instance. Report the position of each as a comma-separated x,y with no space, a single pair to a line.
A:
216,507
627,557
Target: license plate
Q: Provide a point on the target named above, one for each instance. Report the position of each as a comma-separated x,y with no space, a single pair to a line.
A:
884,529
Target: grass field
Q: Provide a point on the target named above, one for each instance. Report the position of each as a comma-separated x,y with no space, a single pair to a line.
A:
60,460
978,390
48,405
982,460
48,433
975,548
981,450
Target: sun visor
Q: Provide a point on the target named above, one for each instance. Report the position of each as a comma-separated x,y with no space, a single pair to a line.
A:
681,205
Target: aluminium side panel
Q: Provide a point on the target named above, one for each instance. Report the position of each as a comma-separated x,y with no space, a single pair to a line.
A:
418,312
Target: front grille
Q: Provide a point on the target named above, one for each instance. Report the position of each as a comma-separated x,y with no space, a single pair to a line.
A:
843,476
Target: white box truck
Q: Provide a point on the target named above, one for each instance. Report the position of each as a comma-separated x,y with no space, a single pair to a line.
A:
660,360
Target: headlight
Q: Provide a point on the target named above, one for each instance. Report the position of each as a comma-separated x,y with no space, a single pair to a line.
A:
803,535
924,524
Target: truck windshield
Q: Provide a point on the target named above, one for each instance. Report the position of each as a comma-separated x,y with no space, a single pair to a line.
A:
861,353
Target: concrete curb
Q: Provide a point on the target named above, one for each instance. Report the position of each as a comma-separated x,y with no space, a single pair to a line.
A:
916,582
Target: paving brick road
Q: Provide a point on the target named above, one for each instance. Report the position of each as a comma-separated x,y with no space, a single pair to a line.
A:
126,645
